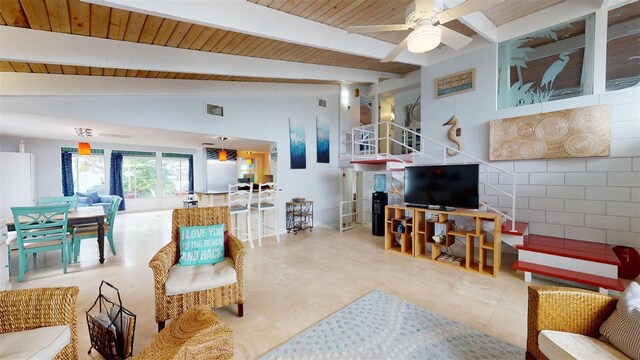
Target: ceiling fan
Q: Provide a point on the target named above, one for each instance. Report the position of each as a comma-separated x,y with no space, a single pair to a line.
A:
426,17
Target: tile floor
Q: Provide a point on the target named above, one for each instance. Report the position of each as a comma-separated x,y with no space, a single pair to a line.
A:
291,285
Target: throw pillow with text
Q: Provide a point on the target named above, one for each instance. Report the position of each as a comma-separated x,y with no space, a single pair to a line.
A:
200,245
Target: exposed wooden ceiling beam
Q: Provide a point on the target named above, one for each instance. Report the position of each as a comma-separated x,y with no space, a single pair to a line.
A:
478,22
30,84
249,18
33,46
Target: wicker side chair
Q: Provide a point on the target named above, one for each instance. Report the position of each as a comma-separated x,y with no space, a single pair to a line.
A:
35,308
197,334
171,306
564,309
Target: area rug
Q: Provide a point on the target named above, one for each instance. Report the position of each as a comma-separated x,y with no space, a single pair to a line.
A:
382,326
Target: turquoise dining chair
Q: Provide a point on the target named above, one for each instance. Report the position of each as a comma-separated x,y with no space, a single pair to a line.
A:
91,231
49,200
39,229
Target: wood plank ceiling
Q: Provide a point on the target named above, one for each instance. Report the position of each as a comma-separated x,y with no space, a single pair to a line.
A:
515,9
342,14
79,18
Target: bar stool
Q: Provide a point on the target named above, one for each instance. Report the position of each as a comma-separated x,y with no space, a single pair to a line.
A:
239,202
267,200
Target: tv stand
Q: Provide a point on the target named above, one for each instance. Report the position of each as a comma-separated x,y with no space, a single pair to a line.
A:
421,224
441,208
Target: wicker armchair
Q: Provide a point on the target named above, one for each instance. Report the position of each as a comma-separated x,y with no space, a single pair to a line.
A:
197,334
171,306
34,308
564,309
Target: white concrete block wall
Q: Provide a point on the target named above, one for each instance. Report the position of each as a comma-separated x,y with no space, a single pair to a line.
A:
591,199
569,204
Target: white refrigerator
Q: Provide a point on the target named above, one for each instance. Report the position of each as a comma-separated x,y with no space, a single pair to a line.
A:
17,181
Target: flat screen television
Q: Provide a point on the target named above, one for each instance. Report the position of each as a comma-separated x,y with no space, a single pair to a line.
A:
442,186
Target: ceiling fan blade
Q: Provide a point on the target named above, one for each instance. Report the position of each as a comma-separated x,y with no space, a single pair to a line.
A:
453,39
395,52
466,8
376,28
424,6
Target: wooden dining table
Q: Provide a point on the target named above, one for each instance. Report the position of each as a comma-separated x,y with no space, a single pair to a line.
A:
81,216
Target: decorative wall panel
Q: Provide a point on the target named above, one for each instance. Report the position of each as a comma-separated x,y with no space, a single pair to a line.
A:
573,133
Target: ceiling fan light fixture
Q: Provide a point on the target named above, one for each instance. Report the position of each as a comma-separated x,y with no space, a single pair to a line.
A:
424,38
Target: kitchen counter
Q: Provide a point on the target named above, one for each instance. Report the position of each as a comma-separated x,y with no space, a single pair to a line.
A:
211,198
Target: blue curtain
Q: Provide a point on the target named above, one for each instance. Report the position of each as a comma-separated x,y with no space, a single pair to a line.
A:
191,174
116,187
67,174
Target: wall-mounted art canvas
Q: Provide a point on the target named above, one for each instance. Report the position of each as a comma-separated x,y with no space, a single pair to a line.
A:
322,141
579,132
297,144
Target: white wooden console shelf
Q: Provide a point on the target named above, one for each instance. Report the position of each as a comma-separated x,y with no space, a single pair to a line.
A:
419,225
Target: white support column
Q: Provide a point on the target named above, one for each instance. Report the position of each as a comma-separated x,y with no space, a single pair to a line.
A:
527,277
600,51
375,114
587,75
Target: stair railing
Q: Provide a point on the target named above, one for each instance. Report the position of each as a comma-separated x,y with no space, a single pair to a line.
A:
348,214
366,141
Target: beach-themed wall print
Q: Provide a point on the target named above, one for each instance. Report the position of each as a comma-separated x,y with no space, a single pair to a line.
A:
297,144
322,141
454,84
579,132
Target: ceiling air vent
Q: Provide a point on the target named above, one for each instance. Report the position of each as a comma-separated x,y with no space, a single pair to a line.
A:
322,103
214,110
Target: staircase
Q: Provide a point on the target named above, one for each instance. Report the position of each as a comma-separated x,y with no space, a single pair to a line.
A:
364,150
512,235
588,263
583,262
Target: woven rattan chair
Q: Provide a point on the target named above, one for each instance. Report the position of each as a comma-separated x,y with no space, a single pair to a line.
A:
171,306
564,309
197,334
35,308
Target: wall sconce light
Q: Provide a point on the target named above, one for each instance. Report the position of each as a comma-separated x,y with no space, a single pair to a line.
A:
344,97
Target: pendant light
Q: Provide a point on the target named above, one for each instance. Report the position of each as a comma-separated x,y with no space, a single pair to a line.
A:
84,148
222,154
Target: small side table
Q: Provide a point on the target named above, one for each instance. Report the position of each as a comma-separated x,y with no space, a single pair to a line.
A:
299,216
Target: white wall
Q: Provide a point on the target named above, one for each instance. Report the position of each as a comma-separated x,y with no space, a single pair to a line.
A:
253,117
48,167
592,199
402,99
